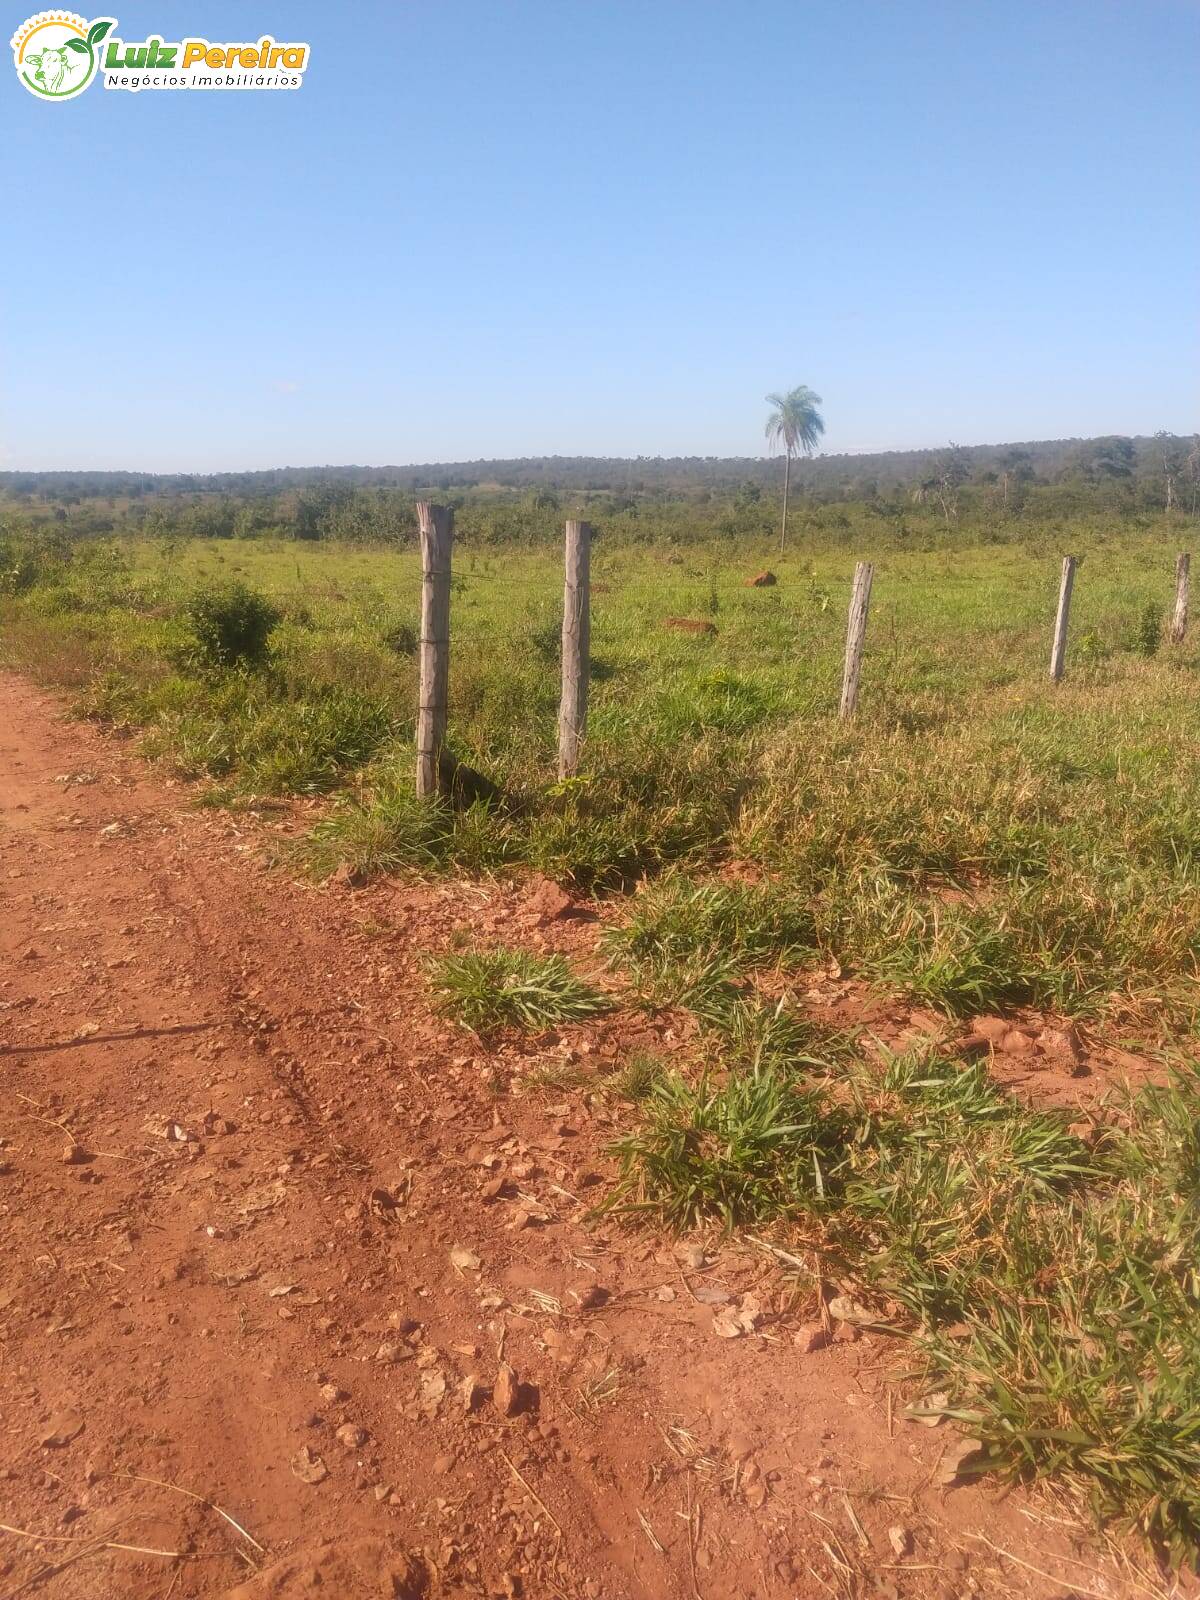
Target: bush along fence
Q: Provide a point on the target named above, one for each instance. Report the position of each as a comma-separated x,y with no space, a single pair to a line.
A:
436,524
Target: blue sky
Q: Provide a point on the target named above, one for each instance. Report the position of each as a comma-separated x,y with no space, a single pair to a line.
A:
525,227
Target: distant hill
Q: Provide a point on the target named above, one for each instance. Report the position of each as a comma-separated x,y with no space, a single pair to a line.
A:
833,476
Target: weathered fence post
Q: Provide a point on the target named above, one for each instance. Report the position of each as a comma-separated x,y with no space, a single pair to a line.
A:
576,640
1058,653
856,633
436,524
1183,564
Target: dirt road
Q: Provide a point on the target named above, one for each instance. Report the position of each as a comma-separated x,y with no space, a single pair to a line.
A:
275,1239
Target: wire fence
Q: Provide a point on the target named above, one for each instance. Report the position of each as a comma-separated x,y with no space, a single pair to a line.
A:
437,586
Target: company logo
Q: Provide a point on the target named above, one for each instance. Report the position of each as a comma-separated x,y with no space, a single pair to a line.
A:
57,54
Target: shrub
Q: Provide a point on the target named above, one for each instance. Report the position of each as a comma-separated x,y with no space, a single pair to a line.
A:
232,623
19,566
401,637
1149,630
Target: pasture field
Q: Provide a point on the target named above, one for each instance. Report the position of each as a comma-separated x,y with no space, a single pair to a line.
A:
975,840
1063,820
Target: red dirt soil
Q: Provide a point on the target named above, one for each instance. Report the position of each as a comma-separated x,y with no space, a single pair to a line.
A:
276,1239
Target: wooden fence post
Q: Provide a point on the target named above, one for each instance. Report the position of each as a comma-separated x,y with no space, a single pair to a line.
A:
1058,653
856,633
576,640
1179,621
436,525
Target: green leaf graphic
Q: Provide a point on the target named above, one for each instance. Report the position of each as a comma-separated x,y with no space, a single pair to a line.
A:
77,44
97,31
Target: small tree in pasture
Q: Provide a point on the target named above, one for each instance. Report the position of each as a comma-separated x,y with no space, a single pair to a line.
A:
796,424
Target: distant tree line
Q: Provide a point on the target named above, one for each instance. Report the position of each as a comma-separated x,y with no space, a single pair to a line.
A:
852,476
680,497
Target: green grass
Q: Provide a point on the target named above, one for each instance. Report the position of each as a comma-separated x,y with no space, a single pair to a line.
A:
746,1150
393,831
1047,1282
512,989
637,1076
760,923
976,838
1049,1288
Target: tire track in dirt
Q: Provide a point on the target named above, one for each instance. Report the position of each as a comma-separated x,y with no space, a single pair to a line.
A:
154,982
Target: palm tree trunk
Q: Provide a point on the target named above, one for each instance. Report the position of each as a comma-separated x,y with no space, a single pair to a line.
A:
787,479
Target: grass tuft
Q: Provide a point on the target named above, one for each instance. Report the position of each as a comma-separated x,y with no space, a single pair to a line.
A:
751,1148
512,988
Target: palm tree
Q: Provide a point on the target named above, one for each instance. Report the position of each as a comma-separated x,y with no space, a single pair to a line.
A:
796,424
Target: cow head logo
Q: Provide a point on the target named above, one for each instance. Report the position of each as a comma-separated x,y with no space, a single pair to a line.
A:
57,54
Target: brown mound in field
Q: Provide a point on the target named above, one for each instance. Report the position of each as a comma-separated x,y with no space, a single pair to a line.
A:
689,625
762,580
